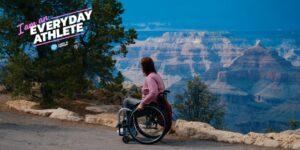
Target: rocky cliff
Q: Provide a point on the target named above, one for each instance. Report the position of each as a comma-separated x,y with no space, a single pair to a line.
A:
261,72
258,85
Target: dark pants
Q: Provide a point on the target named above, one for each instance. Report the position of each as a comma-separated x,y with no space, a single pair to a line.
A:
130,103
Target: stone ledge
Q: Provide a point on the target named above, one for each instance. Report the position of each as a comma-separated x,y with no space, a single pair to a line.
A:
195,130
203,131
22,104
44,112
64,114
31,107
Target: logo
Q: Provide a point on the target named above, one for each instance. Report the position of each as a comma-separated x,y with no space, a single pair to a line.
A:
54,47
51,29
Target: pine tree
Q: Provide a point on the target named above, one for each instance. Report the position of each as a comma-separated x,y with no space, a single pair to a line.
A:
49,75
197,103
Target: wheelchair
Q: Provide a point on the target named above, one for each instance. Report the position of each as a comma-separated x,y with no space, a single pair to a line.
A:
146,126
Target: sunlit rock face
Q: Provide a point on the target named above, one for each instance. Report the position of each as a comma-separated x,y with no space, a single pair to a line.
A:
261,71
260,88
181,54
260,77
189,53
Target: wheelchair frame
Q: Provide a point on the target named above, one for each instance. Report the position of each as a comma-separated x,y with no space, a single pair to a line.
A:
124,124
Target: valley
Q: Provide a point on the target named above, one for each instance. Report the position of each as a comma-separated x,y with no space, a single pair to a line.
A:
256,74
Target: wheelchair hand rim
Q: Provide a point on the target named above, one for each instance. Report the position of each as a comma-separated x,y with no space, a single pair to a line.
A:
154,139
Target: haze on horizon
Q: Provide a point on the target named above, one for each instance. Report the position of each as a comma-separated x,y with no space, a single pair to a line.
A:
212,14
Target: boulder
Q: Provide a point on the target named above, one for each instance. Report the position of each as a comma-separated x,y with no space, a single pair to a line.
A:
288,132
106,119
297,131
228,137
292,141
260,139
22,105
285,139
44,112
267,142
29,107
104,108
204,131
296,144
251,137
195,130
64,114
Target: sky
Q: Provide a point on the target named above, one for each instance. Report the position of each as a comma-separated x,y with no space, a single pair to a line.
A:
151,15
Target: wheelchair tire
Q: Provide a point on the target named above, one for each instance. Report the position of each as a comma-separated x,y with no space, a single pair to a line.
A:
148,110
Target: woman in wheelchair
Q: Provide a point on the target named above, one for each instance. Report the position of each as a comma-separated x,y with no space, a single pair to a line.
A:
148,120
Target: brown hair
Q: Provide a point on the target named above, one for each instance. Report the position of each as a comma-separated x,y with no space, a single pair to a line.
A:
147,65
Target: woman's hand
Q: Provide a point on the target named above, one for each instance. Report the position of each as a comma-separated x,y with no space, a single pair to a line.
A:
140,107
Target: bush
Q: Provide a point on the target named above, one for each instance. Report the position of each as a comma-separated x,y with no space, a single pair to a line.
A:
197,103
293,124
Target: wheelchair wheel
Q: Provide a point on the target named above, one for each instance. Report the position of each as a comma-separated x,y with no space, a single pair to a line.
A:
150,123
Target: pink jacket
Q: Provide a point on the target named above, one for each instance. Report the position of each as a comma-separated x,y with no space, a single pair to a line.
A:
153,85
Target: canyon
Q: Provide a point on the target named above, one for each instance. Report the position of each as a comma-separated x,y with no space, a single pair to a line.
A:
257,81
